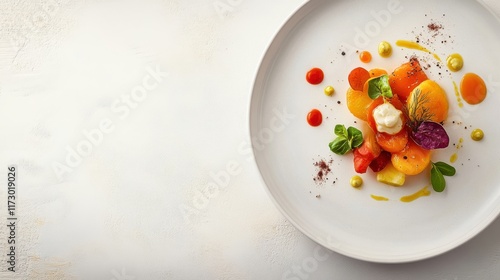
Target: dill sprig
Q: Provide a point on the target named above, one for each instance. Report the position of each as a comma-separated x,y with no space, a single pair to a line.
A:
416,112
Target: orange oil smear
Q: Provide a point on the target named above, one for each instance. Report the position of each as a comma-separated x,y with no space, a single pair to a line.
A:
473,88
457,94
423,192
416,46
379,198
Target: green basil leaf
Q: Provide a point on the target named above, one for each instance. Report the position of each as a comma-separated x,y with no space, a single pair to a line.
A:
379,87
437,179
340,130
347,139
340,146
355,136
445,169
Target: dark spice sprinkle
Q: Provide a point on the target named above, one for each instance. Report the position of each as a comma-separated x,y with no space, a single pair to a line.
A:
434,27
405,157
338,102
343,53
324,170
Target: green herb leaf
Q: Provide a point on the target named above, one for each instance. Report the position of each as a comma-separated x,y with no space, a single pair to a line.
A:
355,136
340,130
438,171
347,139
445,169
340,145
379,87
437,179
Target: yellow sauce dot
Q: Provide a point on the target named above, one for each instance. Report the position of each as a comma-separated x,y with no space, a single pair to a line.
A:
356,181
459,145
477,134
455,62
423,192
457,95
416,46
329,90
384,49
453,158
379,198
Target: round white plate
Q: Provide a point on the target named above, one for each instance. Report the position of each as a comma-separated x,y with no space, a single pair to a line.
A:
337,216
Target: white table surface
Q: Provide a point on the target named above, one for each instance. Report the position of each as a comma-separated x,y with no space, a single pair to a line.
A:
167,189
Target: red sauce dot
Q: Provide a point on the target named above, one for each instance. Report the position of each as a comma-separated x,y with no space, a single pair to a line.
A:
314,118
315,76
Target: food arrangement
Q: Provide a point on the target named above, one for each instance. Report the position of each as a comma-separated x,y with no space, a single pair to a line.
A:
404,112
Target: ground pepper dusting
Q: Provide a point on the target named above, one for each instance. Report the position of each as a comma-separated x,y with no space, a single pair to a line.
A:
323,169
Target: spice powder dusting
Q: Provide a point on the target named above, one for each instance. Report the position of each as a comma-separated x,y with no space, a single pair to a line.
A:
323,169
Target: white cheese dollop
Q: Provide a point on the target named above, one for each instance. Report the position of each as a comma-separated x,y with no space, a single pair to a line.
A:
388,118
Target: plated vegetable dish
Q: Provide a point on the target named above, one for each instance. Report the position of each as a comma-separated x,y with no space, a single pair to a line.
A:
403,114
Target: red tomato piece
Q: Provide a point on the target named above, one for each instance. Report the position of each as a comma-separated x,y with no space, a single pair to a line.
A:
380,162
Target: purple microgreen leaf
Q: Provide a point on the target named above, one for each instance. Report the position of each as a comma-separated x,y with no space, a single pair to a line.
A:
430,136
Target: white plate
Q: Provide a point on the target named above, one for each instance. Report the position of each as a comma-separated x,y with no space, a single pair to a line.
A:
344,219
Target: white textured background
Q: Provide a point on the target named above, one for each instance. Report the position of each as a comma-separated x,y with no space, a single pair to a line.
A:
133,208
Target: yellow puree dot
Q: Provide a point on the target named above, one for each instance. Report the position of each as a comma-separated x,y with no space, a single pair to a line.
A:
477,134
455,62
329,90
356,181
384,49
